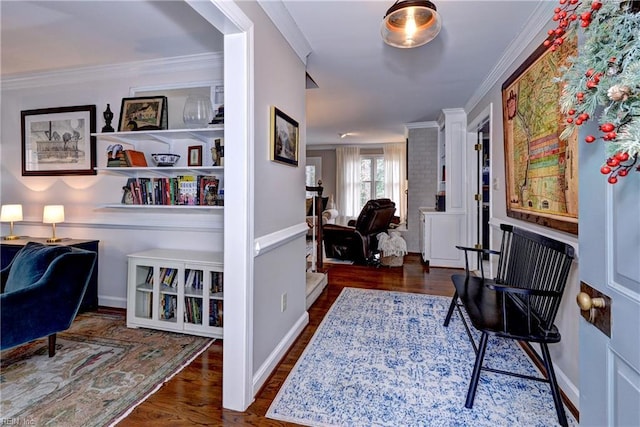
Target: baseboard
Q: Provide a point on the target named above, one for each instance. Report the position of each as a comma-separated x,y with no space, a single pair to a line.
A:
262,374
115,302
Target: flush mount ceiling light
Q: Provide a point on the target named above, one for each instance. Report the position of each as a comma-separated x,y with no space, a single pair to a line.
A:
410,23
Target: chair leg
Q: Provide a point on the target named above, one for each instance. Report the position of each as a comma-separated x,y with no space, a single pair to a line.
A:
52,345
555,391
452,307
475,377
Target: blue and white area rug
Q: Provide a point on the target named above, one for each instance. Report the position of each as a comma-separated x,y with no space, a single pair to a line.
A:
383,358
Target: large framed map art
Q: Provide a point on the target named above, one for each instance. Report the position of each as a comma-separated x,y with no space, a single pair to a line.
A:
541,169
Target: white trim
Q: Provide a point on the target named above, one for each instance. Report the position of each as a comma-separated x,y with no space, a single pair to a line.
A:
420,125
263,373
175,65
109,301
539,20
270,241
284,22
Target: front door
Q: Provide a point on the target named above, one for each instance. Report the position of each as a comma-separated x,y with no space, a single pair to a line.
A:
609,263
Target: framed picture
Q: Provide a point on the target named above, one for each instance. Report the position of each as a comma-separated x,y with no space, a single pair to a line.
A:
284,138
143,113
541,169
195,155
58,141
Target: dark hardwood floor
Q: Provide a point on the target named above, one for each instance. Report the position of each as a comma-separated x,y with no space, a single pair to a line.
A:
194,396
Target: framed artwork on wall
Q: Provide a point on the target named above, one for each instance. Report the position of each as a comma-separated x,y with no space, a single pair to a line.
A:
143,113
284,143
58,141
541,169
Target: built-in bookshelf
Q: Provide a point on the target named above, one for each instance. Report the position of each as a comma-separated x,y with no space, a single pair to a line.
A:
160,186
176,290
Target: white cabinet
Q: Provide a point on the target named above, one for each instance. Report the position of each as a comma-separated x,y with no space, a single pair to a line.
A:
176,290
175,141
440,232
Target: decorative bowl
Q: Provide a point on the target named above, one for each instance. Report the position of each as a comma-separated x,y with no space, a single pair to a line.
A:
165,159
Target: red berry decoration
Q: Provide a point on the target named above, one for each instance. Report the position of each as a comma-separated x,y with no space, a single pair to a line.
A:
570,120
607,127
605,170
612,180
623,172
571,112
596,5
590,138
611,135
613,162
584,117
622,156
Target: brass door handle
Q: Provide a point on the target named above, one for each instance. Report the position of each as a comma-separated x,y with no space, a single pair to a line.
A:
585,302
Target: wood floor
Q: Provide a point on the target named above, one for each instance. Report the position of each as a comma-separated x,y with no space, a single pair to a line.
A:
194,396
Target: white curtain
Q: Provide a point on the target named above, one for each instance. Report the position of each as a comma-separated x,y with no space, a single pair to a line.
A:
348,180
395,177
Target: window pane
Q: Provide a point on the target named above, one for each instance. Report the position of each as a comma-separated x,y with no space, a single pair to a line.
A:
379,189
365,170
379,169
365,193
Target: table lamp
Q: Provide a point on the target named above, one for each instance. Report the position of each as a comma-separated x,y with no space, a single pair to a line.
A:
11,213
53,214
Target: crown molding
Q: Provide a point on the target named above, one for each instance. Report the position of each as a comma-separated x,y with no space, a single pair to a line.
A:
537,22
282,19
421,125
205,61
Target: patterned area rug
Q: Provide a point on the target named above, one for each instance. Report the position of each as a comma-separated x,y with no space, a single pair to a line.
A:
100,372
383,358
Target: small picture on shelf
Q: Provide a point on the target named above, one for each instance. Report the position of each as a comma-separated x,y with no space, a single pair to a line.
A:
195,155
217,152
143,113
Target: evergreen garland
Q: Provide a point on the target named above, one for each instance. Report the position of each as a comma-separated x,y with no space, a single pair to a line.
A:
604,77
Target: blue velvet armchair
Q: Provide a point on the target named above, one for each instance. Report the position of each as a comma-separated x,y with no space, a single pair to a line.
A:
42,289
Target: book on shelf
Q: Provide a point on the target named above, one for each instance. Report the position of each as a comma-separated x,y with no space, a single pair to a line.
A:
135,158
192,190
208,190
187,190
168,306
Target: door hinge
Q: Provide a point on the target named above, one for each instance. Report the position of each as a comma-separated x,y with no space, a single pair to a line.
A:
477,197
477,147
477,246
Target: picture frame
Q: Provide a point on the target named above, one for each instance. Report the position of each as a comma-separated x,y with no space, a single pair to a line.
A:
194,155
284,138
143,113
541,169
59,141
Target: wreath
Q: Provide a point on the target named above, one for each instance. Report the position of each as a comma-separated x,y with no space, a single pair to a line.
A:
604,78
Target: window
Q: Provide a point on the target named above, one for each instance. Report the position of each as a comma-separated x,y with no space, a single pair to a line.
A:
371,178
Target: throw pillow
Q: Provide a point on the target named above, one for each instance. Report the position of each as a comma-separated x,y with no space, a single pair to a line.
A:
30,263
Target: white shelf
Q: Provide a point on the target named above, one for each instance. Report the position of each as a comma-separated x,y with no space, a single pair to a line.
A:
162,207
166,136
167,171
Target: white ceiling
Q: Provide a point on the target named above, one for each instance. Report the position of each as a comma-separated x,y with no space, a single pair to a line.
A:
366,88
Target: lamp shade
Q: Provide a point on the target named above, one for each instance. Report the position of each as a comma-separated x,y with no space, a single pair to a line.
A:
10,213
53,214
410,23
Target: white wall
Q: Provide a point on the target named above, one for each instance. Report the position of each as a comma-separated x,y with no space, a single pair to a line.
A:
565,353
120,232
278,197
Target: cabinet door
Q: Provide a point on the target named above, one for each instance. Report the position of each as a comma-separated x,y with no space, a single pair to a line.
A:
203,300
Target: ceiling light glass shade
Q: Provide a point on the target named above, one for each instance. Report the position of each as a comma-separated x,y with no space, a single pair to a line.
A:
410,23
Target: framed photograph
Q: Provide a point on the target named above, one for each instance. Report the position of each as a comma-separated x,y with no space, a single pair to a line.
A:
541,169
284,138
143,113
194,157
58,141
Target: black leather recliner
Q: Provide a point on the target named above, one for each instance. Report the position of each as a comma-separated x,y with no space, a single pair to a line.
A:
358,240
